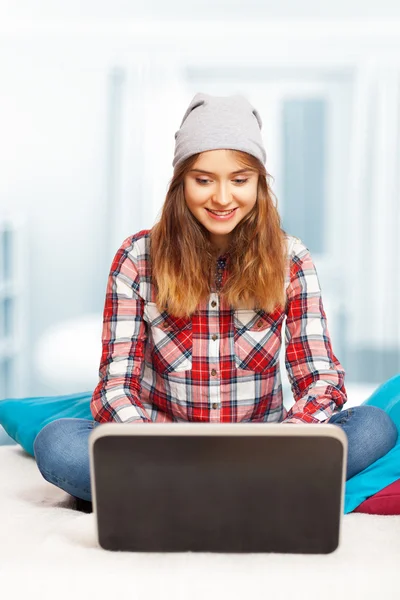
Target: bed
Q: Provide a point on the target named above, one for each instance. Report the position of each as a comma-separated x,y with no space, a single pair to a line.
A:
49,550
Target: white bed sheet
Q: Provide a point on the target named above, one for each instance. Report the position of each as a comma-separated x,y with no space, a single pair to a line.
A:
50,550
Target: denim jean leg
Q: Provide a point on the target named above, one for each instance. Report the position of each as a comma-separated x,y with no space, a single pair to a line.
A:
371,433
61,451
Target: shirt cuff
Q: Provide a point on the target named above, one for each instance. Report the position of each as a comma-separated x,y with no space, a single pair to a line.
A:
301,418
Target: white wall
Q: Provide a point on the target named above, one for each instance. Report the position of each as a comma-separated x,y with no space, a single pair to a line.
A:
52,157
175,9
54,123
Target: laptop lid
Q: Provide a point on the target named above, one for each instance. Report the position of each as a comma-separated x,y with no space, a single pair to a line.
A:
218,487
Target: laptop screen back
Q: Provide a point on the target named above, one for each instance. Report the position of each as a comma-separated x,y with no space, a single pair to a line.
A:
218,493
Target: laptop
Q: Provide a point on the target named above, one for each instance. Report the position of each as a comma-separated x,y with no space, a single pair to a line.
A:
218,487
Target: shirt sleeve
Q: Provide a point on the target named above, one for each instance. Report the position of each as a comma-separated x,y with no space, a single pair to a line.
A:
315,374
117,395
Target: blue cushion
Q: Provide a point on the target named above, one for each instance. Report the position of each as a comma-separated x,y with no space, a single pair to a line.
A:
386,470
23,418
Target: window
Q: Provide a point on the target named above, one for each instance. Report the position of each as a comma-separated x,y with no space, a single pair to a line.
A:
304,170
13,330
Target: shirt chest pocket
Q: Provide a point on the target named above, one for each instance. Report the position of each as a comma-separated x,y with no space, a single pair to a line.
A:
171,340
257,339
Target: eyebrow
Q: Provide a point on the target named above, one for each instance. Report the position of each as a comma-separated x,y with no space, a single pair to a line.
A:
233,172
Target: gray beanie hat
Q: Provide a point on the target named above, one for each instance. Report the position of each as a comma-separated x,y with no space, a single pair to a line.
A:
215,122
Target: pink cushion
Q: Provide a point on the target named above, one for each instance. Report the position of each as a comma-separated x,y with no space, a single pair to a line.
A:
385,502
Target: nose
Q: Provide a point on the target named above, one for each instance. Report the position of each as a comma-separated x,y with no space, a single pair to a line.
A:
222,198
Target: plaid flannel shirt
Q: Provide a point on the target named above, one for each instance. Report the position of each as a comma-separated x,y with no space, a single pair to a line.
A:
220,365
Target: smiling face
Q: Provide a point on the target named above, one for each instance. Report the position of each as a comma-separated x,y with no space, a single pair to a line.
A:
218,182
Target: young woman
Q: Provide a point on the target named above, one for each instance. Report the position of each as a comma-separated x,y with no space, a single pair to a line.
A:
194,310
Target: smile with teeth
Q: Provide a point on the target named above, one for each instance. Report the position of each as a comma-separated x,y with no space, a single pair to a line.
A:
219,212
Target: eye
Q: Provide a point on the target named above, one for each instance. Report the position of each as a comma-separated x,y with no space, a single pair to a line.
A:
205,181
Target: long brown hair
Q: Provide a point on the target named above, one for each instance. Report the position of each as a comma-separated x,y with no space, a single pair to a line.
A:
183,259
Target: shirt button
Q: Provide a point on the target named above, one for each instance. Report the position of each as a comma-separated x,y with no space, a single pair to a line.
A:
165,324
213,372
213,303
214,337
215,405
259,323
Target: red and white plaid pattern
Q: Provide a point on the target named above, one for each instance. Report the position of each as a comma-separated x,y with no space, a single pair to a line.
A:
220,365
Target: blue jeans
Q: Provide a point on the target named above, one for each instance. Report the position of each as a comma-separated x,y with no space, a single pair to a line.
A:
62,451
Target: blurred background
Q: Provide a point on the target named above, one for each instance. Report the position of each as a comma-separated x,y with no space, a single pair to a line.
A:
91,94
